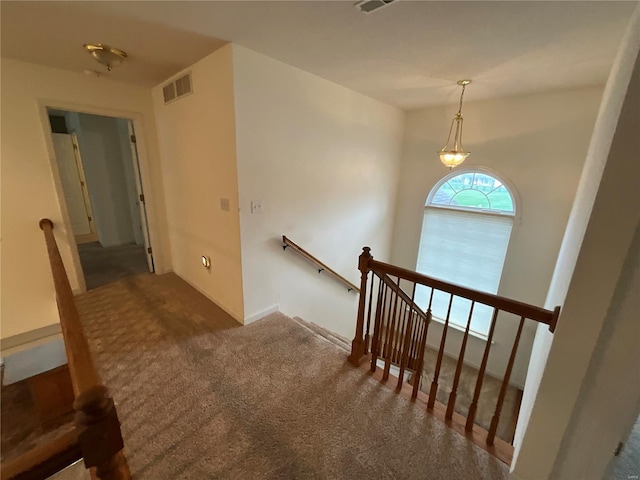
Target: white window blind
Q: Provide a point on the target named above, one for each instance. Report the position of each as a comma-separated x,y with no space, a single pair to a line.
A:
465,248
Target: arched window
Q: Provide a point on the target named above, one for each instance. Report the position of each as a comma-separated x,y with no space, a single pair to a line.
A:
467,224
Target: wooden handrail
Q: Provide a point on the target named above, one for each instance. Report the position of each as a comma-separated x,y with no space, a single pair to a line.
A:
96,420
401,293
323,267
84,375
548,317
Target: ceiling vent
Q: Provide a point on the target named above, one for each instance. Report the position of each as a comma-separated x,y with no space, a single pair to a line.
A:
370,6
177,88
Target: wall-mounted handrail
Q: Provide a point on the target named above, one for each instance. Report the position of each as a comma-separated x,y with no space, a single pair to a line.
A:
96,419
323,267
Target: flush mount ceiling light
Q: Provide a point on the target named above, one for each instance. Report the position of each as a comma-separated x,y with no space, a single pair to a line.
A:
454,156
105,55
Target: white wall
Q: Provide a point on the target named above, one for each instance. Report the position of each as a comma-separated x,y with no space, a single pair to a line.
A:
198,147
541,155
614,367
603,221
100,142
323,159
29,191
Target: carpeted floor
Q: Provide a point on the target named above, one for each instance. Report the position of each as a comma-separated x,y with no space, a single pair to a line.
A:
200,397
105,265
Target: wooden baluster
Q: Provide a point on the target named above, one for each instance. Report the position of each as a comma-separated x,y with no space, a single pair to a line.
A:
367,339
408,328
390,337
436,373
503,389
473,408
406,310
399,332
456,377
357,345
396,331
375,343
423,347
415,338
97,422
415,343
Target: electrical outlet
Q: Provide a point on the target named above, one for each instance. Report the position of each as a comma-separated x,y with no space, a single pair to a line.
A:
224,204
256,206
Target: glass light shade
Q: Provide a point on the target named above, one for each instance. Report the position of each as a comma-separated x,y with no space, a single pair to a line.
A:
452,158
107,58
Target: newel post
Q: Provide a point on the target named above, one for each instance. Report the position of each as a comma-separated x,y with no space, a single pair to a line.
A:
357,345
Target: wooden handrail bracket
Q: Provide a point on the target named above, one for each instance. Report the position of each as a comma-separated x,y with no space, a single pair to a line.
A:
322,267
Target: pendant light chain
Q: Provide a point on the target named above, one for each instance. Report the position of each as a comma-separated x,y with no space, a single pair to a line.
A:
461,97
455,155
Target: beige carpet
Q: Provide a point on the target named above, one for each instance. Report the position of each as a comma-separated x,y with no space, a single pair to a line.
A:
200,397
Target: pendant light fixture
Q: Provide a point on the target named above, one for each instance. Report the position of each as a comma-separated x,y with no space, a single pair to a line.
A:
454,156
105,55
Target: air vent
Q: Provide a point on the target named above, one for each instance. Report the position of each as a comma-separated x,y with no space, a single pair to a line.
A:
169,92
178,88
370,6
183,85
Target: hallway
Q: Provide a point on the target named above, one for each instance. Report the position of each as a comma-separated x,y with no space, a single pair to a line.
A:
106,265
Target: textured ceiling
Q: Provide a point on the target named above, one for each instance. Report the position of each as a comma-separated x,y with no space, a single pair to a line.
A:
409,54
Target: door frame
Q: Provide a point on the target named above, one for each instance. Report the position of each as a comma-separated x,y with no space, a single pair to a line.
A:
92,236
144,170
142,201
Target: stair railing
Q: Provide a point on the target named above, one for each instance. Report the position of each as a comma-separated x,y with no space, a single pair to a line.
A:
96,420
400,330
322,267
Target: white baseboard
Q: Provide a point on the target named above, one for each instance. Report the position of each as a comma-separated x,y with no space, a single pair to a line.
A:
259,315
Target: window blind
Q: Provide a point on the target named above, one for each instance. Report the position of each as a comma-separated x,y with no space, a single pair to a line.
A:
465,248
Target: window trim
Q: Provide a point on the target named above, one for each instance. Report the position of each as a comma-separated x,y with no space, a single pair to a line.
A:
486,171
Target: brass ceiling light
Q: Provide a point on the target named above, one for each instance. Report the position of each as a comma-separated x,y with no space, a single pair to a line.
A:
454,156
105,55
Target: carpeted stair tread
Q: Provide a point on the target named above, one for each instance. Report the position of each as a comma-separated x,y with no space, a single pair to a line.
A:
331,337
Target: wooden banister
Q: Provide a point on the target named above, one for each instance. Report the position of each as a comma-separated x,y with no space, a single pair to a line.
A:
521,309
400,332
96,420
84,375
323,267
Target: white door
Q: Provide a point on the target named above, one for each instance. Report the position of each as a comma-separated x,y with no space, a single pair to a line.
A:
141,202
72,184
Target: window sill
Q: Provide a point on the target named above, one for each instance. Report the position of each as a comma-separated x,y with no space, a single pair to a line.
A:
453,326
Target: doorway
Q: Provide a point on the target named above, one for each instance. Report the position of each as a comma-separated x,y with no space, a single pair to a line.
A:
97,159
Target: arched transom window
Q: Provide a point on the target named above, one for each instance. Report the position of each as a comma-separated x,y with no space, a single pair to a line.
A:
466,228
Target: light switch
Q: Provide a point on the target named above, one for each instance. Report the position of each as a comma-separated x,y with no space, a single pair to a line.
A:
256,206
224,204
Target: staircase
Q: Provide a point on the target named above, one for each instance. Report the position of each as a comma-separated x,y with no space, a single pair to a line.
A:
331,337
